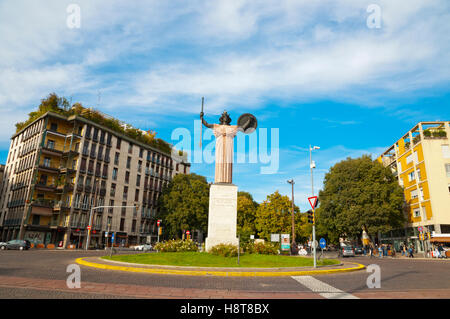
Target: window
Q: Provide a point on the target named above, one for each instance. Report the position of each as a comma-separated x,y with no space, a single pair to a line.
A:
47,162
141,152
421,194
36,219
128,162
51,144
105,171
122,224
416,212
119,140
125,192
127,177
113,190
116,159
414,194
447,169
445,151
136,195
411,176
54,127
409,159
138,180
419,175
130,148
114,174
133,227
139,166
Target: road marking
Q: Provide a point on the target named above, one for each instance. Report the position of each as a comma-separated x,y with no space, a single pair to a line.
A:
325,290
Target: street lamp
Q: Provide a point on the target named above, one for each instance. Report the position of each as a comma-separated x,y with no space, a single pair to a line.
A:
312,165
291,181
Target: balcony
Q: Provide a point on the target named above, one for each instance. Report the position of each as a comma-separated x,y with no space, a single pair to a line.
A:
41,186
61,206
68,170
93,155
41,202
48,168
66,188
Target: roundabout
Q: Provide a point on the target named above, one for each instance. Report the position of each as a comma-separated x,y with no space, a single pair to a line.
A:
256,270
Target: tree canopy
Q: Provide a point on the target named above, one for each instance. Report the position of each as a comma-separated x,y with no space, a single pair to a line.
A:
184,205
246,215
274,216
359,194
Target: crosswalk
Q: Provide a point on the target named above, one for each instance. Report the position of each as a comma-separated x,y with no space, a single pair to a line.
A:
323,289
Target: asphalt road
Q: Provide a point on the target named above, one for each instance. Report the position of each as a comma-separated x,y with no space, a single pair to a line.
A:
400,278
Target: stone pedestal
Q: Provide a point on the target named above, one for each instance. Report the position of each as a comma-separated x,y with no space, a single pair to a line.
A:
222,217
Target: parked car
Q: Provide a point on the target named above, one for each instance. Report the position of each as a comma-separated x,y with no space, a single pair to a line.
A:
18,244
348,251
2,245
143,247
359,250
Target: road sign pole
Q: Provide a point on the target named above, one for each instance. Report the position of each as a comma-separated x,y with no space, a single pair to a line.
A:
314,244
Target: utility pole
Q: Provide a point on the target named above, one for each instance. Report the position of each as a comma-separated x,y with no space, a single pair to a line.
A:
291,181
313,165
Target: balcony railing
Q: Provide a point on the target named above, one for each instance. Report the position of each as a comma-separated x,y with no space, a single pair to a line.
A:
41,202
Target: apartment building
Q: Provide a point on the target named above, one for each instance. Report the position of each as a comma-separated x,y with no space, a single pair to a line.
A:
59,168
421,162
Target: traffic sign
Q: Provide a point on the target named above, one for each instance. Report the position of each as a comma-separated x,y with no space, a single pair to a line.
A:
89,227
420,228
322,243
106,234
112,238
313,202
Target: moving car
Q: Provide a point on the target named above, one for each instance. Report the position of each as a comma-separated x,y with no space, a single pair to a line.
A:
2,245
143,247
18,244
348,251
359,250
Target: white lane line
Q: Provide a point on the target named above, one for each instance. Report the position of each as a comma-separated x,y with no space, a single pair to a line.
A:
325,290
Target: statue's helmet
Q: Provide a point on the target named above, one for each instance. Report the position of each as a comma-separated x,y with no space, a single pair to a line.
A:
225,119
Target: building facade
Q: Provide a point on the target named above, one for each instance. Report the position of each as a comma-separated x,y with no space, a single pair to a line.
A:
59,168
421,162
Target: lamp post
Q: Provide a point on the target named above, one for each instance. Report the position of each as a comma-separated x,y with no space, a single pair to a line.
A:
312,165
291,181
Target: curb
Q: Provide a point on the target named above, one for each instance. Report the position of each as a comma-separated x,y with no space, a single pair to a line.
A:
161,271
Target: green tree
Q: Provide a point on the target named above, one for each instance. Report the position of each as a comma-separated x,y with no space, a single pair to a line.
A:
274,216
184,205
359,194
246,216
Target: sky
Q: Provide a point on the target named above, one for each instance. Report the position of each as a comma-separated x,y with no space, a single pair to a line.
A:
351,77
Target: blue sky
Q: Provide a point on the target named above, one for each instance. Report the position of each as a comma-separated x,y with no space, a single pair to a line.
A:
314,70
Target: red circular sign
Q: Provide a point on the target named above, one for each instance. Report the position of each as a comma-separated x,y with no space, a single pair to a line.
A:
89,227
188,232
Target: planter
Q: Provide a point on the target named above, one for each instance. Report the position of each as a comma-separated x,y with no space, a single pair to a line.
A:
50,246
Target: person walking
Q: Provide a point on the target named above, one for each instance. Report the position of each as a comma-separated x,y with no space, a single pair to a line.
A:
371,250
411,251
380,251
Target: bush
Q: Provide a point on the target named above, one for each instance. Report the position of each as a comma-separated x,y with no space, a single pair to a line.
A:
225,250
265,248
176,246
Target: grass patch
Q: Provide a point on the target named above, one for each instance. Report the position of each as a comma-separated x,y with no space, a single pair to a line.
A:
197,259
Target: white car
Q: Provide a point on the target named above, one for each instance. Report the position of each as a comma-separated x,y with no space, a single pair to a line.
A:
143,247
2,245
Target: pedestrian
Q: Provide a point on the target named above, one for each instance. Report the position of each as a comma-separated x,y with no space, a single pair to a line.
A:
411,251
441,251
405,250
380,250
401,249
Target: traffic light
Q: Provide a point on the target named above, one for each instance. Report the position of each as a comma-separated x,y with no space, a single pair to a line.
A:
310,216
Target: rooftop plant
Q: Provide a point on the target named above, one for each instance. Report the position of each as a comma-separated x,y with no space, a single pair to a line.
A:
61,106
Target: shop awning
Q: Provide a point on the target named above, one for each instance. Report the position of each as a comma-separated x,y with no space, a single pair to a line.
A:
440,240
